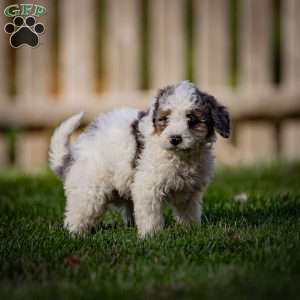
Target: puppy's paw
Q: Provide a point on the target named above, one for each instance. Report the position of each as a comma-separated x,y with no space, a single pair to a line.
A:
144,233
75,228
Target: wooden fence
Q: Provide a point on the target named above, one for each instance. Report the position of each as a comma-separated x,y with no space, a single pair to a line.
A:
170,35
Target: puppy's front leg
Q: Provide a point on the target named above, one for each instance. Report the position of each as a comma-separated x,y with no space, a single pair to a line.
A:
148,210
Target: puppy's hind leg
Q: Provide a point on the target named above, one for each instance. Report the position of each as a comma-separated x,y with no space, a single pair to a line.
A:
86,199
128,214
189,211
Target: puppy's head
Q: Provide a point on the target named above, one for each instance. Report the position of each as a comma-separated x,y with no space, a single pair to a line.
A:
184,117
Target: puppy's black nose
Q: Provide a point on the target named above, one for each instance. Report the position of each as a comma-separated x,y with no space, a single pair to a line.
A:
175,140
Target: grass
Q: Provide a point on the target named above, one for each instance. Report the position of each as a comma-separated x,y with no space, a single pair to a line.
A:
243,250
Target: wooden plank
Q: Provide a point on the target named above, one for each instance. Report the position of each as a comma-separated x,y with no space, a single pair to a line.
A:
256,141
211,35
167,42
4,81
4,151
77,47
33,84
34,65
290,140
226,152
291,43
122,63
4,55
255,44
32,150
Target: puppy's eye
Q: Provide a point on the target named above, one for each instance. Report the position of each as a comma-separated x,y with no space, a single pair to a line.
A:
163,119
194,120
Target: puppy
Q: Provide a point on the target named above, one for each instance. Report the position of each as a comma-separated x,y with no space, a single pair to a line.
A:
141,160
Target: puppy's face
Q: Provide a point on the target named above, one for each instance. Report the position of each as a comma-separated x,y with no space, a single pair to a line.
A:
183,117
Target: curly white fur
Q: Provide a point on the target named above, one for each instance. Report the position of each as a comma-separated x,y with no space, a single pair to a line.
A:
100,172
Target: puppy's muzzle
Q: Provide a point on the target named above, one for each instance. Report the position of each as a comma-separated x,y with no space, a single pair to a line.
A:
175,140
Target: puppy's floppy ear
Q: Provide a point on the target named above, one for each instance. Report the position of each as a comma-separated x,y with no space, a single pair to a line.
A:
219,115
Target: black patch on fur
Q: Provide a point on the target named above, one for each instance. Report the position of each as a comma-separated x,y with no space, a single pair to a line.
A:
139,138
62,170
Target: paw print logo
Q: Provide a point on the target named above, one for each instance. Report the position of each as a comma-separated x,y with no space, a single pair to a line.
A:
24,31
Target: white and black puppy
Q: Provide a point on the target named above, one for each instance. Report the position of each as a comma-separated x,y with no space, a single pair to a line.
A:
141,160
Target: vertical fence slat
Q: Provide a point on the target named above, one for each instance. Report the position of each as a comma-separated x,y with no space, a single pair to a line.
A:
226,152
4,151
122,64
291,43
290,130
4,88
33,83
76,44
255,44
290,140
211,34
31,149
34,65
4,59
166,41
256,141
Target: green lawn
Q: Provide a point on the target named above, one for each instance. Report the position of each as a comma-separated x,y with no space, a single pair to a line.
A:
243,250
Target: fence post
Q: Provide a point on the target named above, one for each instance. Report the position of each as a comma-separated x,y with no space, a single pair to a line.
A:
167,42
4,88
76,48
33,81
290,129
122,63
211,34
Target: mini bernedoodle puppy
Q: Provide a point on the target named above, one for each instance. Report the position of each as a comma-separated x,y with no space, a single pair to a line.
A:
141,160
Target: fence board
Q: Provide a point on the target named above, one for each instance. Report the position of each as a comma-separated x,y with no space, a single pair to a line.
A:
226,152
32,149
291,43
33,84
122,63
4,55
255,44
166,41
4,83
34,65
290,140
256,141
4,149
77,45
211,34
290,130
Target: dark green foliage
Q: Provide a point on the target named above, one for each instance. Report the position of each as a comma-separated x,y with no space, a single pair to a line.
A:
245,250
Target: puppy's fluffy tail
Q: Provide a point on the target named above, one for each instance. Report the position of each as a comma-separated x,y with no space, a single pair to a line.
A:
60,142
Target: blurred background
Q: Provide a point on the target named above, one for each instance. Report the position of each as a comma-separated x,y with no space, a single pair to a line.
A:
96,55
